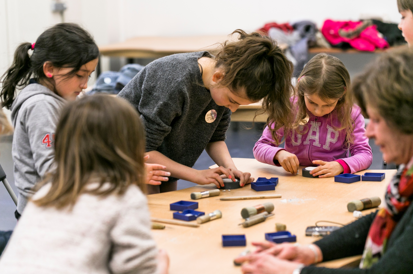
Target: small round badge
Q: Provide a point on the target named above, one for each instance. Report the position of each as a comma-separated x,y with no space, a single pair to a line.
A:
210,116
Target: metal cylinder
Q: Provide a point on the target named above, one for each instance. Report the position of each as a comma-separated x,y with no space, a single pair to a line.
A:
365,203
254,210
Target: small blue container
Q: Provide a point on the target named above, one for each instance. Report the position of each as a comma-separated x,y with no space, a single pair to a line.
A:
187,215
271,180
347,178
263,186
373,177
183,205
233,240
280,237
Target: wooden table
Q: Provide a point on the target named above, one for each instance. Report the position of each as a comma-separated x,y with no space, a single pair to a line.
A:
247,113
304,201
157,46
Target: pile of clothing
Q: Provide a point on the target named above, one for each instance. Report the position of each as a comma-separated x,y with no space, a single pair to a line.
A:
298,36
113,82
366,35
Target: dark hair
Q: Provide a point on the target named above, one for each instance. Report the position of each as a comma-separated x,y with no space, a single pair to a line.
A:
405,5
256,63
326,76
387,86
99,138
63,45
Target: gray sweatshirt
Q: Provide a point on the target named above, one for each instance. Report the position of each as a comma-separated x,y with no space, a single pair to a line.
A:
173,103
35,113
98,236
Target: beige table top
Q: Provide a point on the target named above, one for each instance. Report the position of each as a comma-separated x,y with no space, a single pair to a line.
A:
155,47
246,113
159,46
304,201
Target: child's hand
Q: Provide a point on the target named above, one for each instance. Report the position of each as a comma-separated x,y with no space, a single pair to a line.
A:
244,177
155,174
213,176
288,161
326,169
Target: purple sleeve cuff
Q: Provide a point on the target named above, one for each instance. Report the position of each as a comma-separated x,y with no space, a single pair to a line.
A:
276,161
346,168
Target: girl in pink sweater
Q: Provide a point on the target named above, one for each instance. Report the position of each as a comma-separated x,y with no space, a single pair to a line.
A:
327,125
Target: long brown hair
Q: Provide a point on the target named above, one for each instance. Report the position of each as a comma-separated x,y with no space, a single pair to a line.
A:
98,139
258,64
326,76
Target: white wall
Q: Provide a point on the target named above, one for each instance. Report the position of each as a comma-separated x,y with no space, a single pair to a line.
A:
116,20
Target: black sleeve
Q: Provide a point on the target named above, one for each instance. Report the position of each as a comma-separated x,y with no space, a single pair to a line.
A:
398,258
347,241
220,132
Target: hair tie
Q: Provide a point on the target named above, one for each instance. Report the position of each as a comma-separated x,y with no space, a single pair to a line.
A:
33,46
300,78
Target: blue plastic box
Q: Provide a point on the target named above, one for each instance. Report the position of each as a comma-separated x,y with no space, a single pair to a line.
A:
183,205
263,186
233,240
347,178
263,179
373,177
187,215
280,237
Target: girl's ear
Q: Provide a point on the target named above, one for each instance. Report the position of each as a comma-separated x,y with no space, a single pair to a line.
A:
48,69
217,76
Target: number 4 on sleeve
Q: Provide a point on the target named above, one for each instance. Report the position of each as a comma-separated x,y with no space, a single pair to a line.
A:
48,139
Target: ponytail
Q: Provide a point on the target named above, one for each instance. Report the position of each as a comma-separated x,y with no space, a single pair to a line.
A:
17,75
63,45
278,102
258,64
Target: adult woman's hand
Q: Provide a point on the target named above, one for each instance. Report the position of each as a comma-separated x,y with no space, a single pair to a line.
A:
293,252
267,264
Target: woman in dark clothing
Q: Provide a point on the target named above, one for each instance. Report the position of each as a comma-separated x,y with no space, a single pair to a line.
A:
385,238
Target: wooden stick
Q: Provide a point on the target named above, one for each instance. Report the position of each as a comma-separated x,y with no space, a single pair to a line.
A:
250,197
173,222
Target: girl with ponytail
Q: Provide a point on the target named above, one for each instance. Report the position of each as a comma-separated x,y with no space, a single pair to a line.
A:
185,101
50,72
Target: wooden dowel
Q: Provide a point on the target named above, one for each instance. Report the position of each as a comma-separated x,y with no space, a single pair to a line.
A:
250,197
173,222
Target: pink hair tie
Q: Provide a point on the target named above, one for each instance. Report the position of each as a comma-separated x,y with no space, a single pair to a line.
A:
300,78
33,46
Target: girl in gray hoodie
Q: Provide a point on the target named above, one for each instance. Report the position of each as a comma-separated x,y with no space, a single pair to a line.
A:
51,71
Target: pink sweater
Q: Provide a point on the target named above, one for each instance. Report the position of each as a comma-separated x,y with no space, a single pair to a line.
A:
321,142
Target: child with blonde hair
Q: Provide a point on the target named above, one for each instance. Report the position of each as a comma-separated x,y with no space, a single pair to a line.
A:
90,214
327,126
